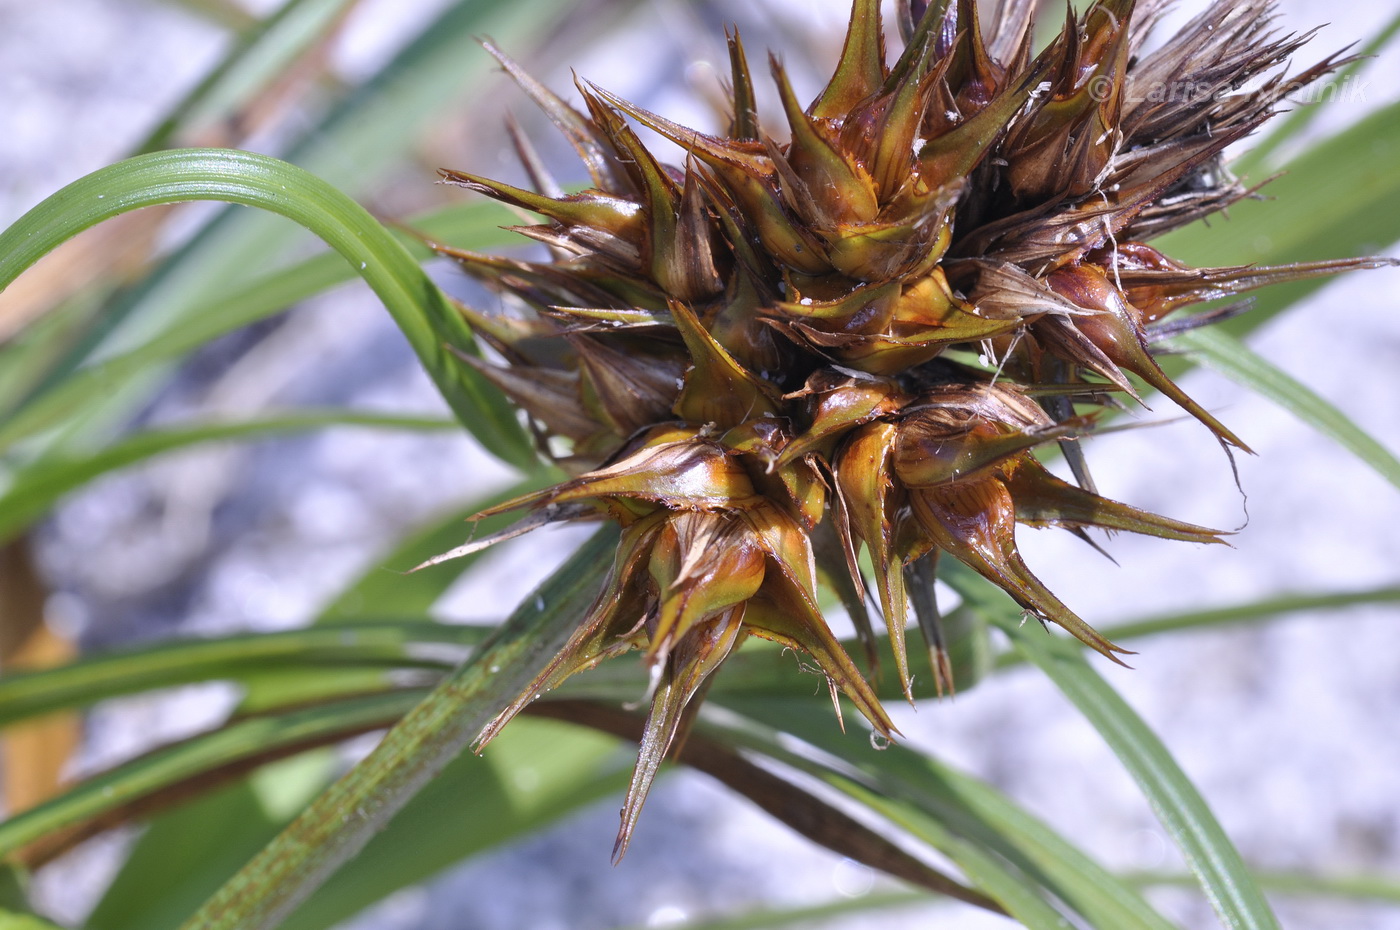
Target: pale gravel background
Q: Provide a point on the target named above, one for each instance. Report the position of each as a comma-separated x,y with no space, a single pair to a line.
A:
1290,731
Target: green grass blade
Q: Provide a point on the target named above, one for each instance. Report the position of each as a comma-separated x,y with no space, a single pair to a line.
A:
1022,900
225,13
261,51
364,135
39,486
14,889
27,355
1360,889
965,807
1254,611
215,833
802,917
12,921
383,590
532,775
423,313
1292,125
146,896
472,226
344,818
1217,865
246,739
384,645
1232,358
1264,609
1102,898
772,729
535,773
1338,199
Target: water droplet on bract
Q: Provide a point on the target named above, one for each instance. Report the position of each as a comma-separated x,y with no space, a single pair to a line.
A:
852,879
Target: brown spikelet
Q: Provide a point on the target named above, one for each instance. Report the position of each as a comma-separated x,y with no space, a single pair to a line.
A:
759,361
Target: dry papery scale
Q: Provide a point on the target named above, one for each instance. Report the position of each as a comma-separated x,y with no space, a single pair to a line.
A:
778,353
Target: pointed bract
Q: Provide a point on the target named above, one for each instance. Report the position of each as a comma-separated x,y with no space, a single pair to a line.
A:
760,362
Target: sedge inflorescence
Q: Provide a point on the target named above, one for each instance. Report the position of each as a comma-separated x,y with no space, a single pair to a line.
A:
777,356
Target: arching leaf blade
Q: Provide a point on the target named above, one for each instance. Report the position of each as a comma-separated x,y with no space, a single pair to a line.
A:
422,312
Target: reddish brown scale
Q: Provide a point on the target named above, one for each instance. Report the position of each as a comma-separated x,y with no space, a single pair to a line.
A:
746,360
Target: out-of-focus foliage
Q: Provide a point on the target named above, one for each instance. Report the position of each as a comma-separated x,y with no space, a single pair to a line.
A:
95,347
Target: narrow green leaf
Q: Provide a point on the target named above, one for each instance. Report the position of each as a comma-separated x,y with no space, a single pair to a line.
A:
384,590
344,818
773,728
14,889
38,487
1182,811
215,834
1338,199
965,806
27,355
421,310
1292,125
875,902
1360,889
471,226
364,134
225,13
533,774
1022,900
245,739
1237,362
1254,611
13,921
1103,899
262,50
145,895
382,646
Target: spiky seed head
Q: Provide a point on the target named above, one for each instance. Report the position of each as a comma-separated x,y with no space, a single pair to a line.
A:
762,360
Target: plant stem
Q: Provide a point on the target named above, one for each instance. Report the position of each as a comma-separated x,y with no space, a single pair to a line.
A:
341,821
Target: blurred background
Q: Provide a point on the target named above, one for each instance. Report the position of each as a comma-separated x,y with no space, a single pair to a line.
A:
1291,730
